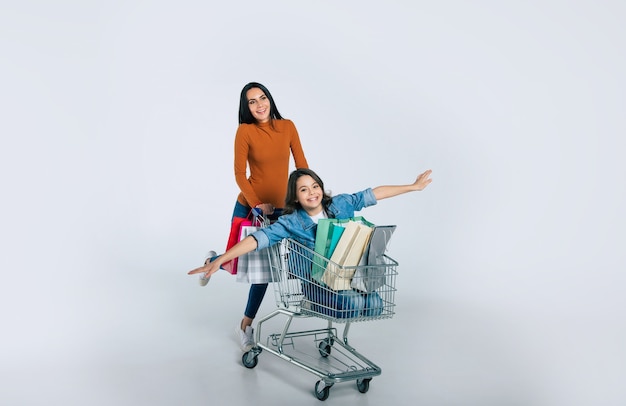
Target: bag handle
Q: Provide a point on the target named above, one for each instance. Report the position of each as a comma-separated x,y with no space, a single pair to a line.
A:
257,218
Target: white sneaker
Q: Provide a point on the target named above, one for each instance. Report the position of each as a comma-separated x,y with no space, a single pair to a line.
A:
205,279
246,338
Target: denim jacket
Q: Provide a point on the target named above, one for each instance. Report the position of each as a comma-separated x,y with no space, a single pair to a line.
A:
299,226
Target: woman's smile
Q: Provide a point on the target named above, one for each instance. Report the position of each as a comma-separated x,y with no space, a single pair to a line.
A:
259,105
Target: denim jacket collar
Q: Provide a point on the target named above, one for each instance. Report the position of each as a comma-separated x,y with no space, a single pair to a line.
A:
305,220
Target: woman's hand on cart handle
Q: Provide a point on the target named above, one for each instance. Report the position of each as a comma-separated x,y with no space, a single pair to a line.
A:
266,208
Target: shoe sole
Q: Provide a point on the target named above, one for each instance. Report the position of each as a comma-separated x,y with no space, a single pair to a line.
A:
204,281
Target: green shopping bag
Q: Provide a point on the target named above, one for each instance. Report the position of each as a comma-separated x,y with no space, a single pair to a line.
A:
335,232
326,237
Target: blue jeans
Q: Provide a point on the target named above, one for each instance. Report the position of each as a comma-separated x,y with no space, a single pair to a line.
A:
339,304
240,210
342,304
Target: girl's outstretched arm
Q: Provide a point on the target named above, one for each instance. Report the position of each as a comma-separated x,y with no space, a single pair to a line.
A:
242,247
383,192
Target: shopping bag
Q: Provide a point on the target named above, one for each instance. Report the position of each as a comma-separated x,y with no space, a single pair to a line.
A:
234,237
327,236
253,267
279,261
335,232
347,255
370,277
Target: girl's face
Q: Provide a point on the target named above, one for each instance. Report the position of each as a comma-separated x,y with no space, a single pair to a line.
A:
309,194
259,105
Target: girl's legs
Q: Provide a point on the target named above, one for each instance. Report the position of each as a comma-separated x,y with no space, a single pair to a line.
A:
349,303
340,304
374,304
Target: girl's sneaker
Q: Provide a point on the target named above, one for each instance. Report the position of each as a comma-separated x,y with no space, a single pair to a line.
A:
205,279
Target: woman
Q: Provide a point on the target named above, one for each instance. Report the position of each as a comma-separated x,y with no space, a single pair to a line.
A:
264,144
306,202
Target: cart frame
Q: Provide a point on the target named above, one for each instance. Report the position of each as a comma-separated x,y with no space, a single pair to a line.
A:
298,296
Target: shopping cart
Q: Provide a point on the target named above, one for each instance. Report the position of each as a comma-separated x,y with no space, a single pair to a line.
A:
330,357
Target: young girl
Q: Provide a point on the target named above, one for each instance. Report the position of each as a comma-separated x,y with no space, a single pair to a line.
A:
305,203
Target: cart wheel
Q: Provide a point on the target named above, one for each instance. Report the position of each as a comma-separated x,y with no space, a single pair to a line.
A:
249,359
363,384
324,392
324,348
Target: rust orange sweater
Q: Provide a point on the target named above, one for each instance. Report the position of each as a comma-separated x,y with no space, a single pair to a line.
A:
266,151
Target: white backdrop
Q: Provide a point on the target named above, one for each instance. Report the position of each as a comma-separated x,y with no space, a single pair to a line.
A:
118,121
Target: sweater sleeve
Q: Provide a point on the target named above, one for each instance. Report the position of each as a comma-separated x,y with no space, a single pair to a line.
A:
297,151
242,146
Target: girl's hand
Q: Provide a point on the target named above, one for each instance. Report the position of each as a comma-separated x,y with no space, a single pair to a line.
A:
207,269
422,180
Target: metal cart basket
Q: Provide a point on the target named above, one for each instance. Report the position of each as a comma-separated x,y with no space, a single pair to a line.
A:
330,357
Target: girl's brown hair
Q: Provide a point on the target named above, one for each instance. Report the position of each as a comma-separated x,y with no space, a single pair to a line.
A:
291,205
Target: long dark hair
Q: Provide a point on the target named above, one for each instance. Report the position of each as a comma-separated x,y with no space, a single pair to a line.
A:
245,116
291,204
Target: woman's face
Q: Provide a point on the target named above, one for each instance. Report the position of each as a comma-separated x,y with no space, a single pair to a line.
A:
259,105
309,194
